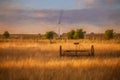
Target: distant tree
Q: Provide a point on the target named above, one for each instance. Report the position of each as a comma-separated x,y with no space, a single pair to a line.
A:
79,34
6,34
70,34
109,34
50,34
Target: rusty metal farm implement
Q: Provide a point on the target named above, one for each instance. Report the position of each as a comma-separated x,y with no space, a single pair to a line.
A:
77,51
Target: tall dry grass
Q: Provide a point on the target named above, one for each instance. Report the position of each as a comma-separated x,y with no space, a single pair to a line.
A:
40,60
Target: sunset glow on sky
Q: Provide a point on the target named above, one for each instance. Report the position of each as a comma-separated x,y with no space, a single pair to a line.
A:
39,16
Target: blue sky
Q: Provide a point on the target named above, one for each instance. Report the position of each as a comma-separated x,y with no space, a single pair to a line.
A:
63,4
50,4
43,4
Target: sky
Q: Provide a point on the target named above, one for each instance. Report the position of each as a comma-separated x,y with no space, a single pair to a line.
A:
39,16
41,4
61,4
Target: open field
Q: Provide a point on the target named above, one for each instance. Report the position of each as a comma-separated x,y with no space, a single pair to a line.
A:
40,60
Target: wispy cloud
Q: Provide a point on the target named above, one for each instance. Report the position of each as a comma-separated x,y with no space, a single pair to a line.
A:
98,3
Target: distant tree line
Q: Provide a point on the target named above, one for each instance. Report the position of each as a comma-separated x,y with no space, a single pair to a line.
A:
6,34
76,34
109,34
50,34
73,34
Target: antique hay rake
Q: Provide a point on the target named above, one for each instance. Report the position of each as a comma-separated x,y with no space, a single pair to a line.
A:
76,51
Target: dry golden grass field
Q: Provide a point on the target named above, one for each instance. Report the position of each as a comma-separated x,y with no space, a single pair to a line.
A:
40,60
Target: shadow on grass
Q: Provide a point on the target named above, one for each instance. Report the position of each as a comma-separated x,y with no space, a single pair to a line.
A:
66,73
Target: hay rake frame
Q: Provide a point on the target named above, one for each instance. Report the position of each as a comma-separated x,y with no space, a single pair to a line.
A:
77,52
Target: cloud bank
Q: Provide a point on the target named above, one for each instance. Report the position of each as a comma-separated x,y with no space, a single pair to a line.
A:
95,16
39,21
